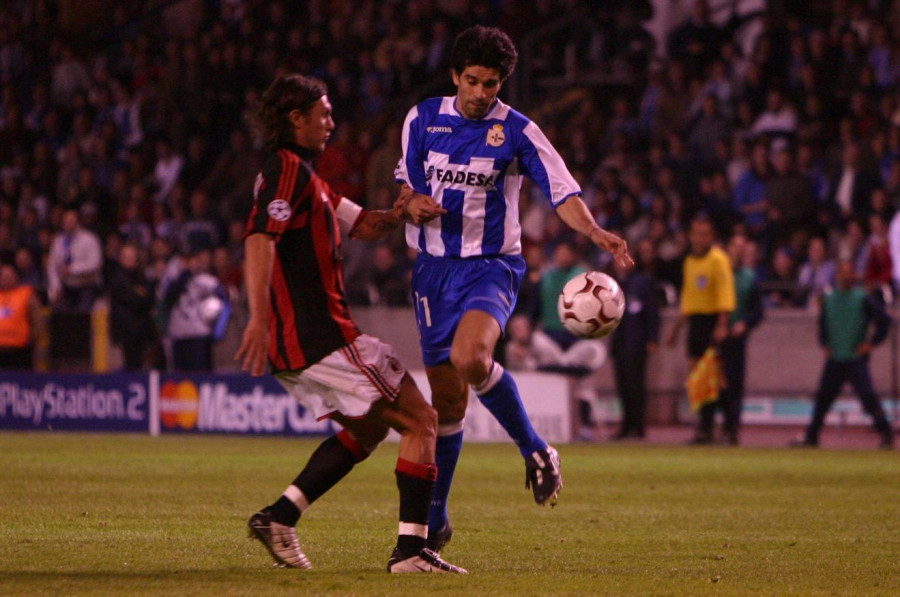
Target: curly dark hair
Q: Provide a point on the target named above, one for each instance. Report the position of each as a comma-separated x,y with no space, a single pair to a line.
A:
286,94
484,46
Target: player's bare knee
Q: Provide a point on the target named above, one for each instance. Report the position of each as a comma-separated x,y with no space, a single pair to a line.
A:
421,421
368,433
474,366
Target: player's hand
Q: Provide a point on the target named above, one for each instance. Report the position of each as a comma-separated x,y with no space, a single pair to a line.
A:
423,208
254,349
738,329
864,349
399,207
614,244
652,347
416,207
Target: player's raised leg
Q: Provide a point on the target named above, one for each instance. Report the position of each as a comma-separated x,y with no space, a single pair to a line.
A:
472,355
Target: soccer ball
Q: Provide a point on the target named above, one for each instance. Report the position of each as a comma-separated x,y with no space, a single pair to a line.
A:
591,305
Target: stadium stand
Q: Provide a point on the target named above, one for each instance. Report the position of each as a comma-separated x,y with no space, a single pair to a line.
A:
135,115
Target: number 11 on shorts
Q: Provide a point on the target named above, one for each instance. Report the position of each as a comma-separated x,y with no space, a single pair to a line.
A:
425,310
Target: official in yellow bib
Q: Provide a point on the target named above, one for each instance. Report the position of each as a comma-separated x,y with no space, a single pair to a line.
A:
707,299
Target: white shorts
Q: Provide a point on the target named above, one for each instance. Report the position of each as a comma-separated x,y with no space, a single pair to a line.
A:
349,380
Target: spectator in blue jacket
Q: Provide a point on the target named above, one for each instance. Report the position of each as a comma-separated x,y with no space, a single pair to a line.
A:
750,193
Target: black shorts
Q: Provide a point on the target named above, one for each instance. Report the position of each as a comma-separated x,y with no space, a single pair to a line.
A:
700,331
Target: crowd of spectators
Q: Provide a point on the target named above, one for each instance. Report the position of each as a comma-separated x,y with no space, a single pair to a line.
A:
795,142
135,134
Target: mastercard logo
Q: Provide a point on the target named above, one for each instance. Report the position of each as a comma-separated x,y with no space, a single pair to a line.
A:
178,404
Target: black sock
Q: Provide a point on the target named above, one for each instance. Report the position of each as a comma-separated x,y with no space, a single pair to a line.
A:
330,463
284,511
332,460
416,484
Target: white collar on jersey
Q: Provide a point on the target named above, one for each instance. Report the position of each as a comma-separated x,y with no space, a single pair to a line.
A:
498,110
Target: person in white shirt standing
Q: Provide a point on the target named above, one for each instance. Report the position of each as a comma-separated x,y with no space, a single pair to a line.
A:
74,265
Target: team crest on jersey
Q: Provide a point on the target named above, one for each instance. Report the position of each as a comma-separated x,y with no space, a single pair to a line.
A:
258,185
496,136
279,210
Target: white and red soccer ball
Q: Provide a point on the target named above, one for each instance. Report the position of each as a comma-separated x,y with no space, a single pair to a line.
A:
591,305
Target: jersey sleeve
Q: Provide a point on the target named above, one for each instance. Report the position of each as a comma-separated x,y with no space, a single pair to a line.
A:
540,161
411,167
348,213
276,194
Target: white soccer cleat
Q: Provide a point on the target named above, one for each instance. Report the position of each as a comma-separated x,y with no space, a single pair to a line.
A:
280,539
425,561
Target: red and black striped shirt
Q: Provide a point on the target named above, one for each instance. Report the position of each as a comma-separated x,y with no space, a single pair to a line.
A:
309,317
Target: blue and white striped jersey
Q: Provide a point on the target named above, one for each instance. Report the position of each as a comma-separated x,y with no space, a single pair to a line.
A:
474,169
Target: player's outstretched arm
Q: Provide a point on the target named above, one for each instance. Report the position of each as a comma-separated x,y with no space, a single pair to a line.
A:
259,259
576,214
375,225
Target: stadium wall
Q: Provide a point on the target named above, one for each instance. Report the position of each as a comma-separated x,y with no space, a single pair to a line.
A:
157,403
784,358
783,367
784,362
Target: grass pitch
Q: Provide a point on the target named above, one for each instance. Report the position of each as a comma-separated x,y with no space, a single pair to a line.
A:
123,514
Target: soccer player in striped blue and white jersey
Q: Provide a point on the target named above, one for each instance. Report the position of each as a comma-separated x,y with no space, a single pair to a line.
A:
463,161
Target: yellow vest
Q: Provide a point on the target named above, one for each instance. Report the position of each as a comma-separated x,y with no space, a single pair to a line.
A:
15,324
708,285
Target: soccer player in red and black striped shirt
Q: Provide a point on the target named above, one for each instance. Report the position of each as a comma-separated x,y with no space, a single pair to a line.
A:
300,324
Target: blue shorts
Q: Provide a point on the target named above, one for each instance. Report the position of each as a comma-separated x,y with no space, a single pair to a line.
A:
445,288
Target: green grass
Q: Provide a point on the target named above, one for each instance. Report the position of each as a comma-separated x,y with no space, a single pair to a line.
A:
108,514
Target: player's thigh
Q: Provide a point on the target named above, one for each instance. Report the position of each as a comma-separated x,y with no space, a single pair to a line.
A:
439,290
488,305
476,336
410,410
449,392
